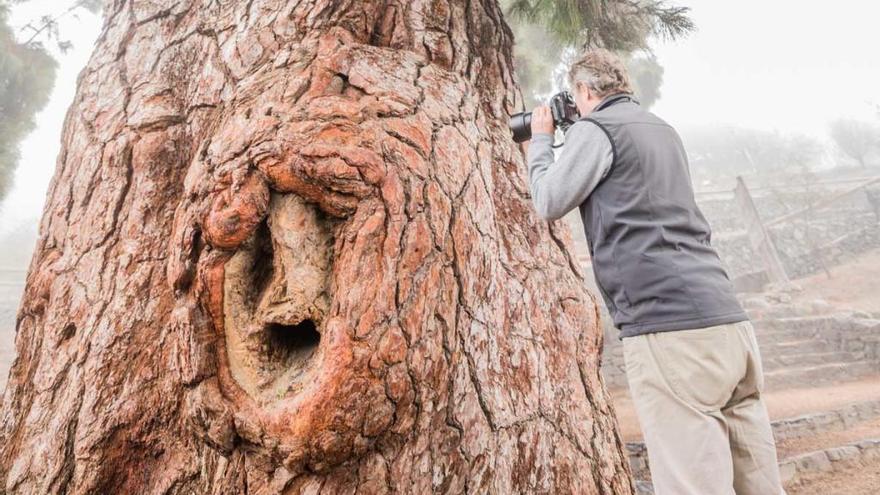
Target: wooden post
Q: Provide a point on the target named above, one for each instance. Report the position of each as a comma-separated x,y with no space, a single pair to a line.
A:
758,235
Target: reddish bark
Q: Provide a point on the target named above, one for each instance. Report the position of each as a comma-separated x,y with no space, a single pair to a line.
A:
289,248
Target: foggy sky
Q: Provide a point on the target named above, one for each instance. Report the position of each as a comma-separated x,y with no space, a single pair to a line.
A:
784,65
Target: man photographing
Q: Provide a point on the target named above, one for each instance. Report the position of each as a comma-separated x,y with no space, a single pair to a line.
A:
692,360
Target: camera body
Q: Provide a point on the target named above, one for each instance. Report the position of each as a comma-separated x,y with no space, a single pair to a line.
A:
562,108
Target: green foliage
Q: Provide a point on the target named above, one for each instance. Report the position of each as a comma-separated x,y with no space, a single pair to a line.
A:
855,138
537,54
647,77
93,6
563,27
619,25
27,75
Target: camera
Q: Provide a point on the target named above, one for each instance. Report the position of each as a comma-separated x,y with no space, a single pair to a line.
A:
564,112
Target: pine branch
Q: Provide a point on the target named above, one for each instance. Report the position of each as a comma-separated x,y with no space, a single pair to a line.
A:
623,25
49,24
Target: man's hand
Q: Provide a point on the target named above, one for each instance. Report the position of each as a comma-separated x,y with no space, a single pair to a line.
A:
542,121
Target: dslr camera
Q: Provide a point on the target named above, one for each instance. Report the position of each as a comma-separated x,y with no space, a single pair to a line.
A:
564,112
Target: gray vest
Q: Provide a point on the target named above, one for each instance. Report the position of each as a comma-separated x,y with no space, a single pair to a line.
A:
648,239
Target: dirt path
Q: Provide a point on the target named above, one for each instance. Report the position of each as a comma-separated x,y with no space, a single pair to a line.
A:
854,479
852,286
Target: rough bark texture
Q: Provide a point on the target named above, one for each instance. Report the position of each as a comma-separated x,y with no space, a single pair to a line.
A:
289,248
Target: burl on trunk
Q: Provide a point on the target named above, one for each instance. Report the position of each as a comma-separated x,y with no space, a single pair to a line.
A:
289,248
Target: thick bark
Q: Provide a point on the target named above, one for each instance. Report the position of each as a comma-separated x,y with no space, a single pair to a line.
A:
289,248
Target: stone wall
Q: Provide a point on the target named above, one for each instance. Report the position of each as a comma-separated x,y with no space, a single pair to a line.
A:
807,244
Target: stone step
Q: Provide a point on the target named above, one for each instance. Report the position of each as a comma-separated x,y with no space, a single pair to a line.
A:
829,326
797,322
799,426
789,359
792,468
809,375
826,421
805,425
826,460
825,322
792,334
826,328
792,347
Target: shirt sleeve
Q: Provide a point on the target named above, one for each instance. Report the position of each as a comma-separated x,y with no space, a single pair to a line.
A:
560,186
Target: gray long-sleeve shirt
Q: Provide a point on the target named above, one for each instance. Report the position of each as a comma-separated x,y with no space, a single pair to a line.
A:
559,187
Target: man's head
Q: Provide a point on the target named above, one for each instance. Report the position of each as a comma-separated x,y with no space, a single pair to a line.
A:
595,75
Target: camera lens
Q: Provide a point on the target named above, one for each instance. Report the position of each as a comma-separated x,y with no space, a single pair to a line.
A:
521,125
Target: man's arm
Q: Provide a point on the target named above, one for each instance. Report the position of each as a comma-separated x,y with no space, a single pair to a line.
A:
559,187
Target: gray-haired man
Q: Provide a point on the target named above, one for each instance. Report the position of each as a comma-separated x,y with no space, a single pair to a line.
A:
692,360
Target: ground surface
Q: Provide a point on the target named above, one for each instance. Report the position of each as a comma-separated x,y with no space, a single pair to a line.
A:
855,479
853,285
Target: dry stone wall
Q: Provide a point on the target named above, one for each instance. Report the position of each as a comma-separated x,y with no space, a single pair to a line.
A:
807,244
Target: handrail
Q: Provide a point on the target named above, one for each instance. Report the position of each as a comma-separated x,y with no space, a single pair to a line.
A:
828,182
821,203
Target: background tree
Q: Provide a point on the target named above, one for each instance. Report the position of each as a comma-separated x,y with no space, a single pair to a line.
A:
27,72
647,77
723,152
855,138
538,53
289,248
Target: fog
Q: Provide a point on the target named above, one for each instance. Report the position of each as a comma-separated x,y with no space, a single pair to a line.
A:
778,104
786,65
23,205
783,65
753,91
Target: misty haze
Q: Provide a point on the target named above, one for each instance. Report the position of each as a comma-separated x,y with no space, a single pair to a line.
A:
332,194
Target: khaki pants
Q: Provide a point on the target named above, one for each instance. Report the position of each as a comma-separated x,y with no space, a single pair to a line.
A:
697,394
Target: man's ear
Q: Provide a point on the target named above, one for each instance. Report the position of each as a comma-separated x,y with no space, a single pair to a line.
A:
580,87
586,89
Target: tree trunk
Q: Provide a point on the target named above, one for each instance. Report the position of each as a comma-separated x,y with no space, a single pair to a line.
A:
289,248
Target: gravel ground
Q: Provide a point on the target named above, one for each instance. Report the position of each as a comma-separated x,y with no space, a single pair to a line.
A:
858,478
852,285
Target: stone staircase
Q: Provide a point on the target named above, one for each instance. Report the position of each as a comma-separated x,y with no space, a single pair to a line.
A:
806,351
803,352
799,465
796,351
